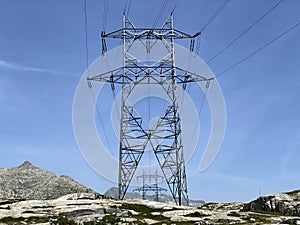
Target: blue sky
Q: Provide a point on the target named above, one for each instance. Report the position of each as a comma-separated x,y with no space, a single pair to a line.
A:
42,57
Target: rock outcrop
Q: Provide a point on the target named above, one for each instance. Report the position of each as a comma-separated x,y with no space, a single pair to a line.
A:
286,204
29,182
85,209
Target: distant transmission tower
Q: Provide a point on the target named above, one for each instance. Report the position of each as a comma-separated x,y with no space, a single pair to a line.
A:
147,187
133,136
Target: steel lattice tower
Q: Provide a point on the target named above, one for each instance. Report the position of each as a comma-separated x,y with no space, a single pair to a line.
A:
133,136
148,187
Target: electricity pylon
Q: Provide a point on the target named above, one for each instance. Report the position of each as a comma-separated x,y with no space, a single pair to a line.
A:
146,187
166,137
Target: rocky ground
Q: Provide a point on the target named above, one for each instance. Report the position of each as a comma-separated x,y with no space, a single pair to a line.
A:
87,208
31,195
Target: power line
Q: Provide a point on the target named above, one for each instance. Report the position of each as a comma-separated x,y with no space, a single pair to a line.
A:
203,99
86,33
198,44
214,16
160,13
104,20
127,7
100,119
245,31
175,6
259,49
210,20
87,66
200,111
104,15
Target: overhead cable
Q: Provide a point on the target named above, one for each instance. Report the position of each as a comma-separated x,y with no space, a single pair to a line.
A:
87,65
127,7
210,20
244,32
86,33
104,19
160,13
214,16
259,49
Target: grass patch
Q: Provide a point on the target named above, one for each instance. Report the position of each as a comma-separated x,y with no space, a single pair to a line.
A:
63,220
9,201
196,214
210,205
295,192
290,221
138,208
178,223
109,219
145,212
258,218
233,213
19,220
11,220
269,213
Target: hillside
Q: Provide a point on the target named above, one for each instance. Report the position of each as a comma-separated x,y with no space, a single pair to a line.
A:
29,182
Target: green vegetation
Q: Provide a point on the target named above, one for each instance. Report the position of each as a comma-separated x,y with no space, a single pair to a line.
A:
20,220
290,221
258,218
269,213
233,213
196,214
90,223
109,219
138,208
210,205
146,212
10,201
63,220
295,192
262,216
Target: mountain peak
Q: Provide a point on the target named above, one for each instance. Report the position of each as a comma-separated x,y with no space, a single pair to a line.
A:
27,181
26,164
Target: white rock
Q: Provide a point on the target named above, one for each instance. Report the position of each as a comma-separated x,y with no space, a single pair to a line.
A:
128,219
150,221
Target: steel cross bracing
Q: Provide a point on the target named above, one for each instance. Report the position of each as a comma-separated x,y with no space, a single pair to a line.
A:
147,187
133,136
